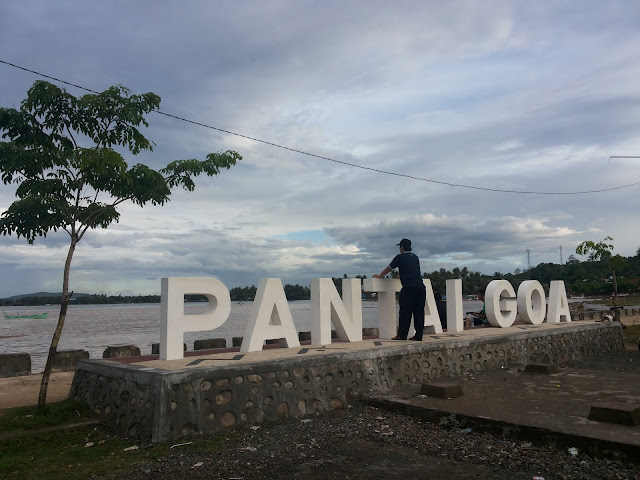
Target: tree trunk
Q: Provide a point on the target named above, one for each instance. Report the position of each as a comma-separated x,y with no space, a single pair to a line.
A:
64,303
616,314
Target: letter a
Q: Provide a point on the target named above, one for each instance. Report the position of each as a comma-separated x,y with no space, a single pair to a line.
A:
558,310
270,318
431,317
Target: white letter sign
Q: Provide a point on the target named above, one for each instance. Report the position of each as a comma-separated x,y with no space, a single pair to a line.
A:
431,318
270,318
327,307
532,305
174,322
501,312
558,303
386,303
455,321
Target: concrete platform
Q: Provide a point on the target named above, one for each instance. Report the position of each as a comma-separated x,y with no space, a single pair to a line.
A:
540,408
148,398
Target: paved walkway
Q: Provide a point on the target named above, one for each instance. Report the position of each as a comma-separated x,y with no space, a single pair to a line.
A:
534,406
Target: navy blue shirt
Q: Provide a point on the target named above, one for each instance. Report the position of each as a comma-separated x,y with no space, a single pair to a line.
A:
409,266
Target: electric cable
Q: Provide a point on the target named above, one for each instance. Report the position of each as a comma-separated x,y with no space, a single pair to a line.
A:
353,165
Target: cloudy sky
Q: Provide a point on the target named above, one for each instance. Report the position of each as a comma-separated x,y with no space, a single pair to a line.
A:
501,95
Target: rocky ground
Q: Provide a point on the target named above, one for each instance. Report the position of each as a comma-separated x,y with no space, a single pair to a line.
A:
368,443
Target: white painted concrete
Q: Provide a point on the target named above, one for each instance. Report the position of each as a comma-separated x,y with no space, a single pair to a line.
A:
174,322
328,308
270,318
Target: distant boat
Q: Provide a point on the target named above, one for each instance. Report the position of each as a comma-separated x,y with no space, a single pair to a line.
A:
39,316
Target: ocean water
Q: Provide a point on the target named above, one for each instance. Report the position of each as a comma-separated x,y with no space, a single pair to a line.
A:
96,327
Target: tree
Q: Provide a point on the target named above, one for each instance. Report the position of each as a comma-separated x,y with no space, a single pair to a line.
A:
603,251
59,151
572,260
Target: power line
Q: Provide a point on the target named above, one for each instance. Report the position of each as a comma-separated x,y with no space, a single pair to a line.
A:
329,159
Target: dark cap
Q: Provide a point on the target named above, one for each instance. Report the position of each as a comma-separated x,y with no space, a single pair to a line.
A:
405,243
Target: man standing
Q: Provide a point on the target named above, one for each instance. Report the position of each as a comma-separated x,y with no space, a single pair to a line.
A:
413,293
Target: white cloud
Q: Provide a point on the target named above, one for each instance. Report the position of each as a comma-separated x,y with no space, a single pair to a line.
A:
508,96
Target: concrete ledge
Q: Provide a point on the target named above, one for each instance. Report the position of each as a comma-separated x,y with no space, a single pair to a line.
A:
442,389
14,364
209,344
542,368
67,360
541,436
158,400
620,413
121,352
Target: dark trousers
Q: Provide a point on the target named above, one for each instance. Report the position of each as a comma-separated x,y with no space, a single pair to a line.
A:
411,301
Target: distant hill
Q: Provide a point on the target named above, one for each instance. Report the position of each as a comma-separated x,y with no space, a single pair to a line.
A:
45,294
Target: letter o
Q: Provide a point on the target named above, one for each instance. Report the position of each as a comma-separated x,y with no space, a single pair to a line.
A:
532,304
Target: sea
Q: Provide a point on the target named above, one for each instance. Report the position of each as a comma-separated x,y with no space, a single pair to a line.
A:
96,327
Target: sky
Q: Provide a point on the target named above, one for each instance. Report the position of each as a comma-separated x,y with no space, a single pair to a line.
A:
479,96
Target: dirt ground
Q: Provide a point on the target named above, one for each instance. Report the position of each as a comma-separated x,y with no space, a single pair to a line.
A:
23,391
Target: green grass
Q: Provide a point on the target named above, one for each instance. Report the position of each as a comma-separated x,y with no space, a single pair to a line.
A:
31,448
30,418
631,336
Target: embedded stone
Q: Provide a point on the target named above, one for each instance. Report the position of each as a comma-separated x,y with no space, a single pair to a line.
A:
223,398
282,410
227,419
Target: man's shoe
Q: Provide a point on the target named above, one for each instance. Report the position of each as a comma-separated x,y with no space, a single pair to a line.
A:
398,338
416,339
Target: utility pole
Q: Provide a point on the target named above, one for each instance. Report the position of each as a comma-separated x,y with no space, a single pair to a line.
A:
561,255
528,259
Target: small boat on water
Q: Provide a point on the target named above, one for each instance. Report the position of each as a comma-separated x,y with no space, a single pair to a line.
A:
39,316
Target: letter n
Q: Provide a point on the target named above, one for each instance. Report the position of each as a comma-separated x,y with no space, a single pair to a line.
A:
327,307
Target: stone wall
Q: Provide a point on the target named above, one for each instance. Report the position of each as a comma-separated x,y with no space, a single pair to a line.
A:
15,364
147,403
